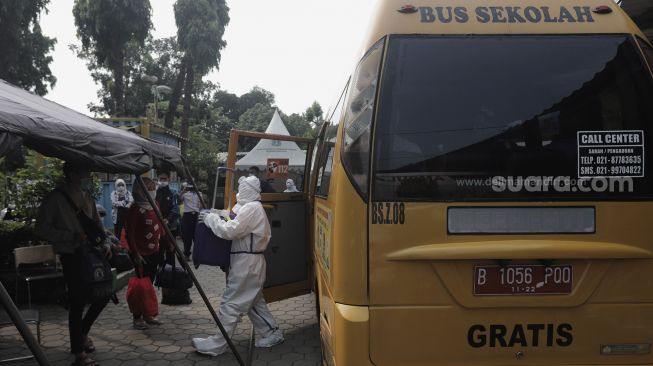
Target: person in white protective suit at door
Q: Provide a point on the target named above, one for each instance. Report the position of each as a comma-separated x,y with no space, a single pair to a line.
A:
250,235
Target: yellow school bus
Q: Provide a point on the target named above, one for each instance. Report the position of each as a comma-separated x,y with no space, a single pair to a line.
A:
481,195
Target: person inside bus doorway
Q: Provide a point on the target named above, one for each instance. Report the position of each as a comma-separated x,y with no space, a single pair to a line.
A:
250,234
266,187
290,186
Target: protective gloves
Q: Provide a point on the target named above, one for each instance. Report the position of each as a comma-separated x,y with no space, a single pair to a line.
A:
202,216
205,213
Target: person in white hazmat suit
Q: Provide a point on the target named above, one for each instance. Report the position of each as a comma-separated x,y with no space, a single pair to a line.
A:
250,235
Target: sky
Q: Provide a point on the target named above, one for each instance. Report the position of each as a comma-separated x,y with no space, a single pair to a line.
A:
300,50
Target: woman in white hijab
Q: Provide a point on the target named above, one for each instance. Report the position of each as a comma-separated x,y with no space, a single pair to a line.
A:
250,234
121,200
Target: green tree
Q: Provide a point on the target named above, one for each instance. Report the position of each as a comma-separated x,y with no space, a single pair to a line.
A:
229,102
105,28
206,139
314,113
297,125
234,106
30,184
25,60
256,118
256,96
158,57
200,29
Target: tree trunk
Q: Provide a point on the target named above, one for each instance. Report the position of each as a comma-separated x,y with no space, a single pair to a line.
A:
176,95
188,98
119,84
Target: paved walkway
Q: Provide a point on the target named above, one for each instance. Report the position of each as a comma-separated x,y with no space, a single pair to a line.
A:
118,343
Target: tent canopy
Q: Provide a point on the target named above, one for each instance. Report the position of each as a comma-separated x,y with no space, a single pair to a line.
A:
57,131
274,149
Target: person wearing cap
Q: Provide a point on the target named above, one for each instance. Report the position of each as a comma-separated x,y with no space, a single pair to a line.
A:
192,206
121,200
250,234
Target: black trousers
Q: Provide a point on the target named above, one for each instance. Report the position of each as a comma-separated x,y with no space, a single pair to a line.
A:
79,324
188,222
120,221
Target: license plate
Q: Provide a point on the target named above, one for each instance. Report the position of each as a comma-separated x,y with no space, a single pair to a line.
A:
523,280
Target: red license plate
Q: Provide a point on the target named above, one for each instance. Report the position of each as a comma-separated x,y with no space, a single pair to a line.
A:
523,280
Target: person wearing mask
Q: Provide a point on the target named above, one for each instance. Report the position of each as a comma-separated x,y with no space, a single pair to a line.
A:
192,206
266,187
290,186
57,223
121,200
250,234
168,201
144,232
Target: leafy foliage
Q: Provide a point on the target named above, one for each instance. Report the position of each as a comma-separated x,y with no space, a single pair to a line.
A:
200,29
298,125
16,232
157,57
206,141
30,184
106,27
25,60
256,118
314,113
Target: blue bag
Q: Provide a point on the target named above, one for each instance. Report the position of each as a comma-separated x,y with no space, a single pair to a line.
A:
210,249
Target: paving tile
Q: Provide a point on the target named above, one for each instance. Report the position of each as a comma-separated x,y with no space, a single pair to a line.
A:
118,344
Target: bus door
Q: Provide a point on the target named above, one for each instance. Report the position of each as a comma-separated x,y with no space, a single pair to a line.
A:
281,163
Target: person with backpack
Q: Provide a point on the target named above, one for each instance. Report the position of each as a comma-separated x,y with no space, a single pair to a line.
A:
58,223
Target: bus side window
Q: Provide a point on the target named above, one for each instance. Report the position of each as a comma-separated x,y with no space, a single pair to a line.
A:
359,111
324,174
324,162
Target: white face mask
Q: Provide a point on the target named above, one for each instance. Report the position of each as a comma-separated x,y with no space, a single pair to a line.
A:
152,194
163,184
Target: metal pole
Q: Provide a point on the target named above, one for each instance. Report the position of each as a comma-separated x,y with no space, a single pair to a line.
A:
156,114
20,324
182,260
215,186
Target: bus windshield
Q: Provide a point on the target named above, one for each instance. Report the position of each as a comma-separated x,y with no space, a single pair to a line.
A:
501,118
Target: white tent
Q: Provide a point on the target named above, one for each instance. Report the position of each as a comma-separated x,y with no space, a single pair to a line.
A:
273,149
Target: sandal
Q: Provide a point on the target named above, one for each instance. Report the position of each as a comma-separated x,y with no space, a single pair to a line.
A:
89,347
85,361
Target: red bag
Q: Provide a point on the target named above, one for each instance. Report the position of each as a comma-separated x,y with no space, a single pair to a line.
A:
123,239
141,297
